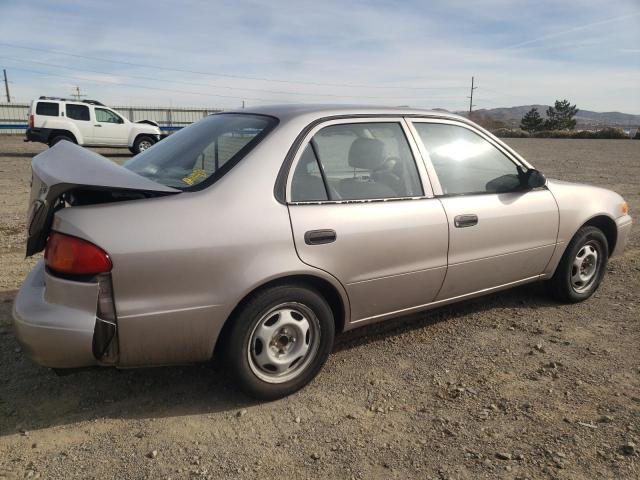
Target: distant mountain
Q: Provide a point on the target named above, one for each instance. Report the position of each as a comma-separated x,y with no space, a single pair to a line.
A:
585,118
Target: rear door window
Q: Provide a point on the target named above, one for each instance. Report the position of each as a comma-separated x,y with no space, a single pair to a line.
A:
307,184
359,161
78,112
48,109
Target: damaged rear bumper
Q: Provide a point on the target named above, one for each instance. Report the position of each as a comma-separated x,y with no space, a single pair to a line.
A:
55,319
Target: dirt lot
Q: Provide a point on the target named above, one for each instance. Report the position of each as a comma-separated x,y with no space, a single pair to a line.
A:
508,386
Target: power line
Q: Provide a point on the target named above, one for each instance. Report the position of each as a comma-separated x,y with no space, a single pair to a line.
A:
502,94
237,97
226,75
278,92
143,87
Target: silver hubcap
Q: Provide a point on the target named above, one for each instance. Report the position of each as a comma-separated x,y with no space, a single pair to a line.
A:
283,342
584,268
143,145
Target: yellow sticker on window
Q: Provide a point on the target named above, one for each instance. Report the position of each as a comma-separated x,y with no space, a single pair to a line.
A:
195,175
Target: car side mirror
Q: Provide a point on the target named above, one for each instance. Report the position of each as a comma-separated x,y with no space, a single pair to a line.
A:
534,179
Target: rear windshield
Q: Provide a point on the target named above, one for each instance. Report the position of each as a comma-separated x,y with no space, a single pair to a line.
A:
199,154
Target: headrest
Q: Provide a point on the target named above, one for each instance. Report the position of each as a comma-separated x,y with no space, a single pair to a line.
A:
367,153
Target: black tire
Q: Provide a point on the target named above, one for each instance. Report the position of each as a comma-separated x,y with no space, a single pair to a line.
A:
132,150
561,285
240,342
142,143
58,138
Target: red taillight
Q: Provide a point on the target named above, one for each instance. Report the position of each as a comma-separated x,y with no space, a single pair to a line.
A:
74,256
31,121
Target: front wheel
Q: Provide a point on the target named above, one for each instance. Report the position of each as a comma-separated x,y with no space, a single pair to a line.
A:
582,266
279,341
142,143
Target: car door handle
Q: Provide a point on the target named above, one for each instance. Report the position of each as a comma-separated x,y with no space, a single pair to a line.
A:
97,125
320,237
462,221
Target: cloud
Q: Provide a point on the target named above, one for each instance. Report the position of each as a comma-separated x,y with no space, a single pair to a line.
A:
422,53
578,28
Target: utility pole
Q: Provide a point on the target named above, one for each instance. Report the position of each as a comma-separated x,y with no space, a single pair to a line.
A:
78,96
6,85
470,97
243,104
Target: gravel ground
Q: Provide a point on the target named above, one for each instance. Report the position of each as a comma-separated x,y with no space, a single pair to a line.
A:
512,385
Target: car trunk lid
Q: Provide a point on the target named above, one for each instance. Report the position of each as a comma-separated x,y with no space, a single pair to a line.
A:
68,175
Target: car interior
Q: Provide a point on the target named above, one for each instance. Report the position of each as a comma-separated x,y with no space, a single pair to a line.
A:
360,162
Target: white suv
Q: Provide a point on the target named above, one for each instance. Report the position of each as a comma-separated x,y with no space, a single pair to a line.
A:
88,123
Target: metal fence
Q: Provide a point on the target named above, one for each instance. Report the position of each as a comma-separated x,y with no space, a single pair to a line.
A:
14,117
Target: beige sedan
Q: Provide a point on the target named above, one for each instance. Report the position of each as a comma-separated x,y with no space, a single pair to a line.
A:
258,235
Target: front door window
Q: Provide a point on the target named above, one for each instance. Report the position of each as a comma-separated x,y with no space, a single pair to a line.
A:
107,116
465,162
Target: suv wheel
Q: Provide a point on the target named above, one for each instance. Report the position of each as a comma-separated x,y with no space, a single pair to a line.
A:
142,143
582,266
58,138
279,341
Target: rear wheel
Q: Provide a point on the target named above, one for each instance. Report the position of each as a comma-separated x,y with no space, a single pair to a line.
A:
582,266
58,138
142,143
279,341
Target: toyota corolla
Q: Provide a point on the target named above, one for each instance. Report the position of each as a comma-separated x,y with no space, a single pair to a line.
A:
258,235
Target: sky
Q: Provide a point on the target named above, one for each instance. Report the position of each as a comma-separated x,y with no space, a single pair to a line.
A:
414,53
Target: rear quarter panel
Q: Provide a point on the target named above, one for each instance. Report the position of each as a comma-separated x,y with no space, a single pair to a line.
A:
182,263
56,123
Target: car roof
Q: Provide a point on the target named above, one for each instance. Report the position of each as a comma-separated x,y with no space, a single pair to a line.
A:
301,115
291,111
85,101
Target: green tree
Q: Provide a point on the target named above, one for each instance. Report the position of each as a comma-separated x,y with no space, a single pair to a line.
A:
532,121
560,116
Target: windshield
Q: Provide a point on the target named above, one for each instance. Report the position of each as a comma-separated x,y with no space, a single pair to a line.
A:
199,154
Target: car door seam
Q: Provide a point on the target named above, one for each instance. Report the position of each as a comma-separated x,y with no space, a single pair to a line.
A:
557,232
